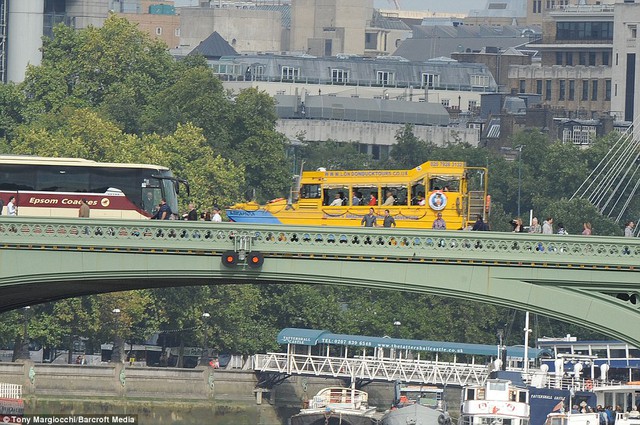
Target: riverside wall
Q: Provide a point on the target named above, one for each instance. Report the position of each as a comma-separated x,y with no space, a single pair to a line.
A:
169,395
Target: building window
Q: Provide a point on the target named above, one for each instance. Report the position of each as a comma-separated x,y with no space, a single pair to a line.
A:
572,89
473,105
258,71
563,88
384,78
445,102
340,76
522,86
569,58
605,58
594,90
585,90
371,41
576,30
290,73
582,58
547,91
430,80
607,89
592,59
177,32
539,87
158,30
480,81
579,134
558,58
633,31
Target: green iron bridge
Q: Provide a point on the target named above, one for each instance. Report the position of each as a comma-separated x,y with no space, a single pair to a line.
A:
591,281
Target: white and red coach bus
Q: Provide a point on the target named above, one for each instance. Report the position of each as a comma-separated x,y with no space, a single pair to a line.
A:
54,187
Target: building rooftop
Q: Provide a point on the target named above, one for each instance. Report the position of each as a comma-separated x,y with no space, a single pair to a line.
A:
440,40
214,47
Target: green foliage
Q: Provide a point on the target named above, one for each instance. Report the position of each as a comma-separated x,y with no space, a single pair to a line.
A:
409,150
196,97
82,68
258,146
11,109
332,155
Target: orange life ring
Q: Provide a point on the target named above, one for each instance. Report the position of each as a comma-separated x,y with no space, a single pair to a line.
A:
588,384
488,203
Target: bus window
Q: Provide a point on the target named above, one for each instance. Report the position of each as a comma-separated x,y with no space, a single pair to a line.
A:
417,193
367,191
357,198
18,177
310,191
150,199
336,196
452,185
398,192
444,183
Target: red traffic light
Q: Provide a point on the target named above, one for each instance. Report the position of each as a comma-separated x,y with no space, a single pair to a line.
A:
230,258
255,259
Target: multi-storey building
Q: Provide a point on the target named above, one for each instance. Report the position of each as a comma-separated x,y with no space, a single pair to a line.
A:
574,72
537,10
624,101
330,27
157,18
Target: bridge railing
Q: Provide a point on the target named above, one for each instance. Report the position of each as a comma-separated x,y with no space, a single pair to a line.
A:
378,244
13,391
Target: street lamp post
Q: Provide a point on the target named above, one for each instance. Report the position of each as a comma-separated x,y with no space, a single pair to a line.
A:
519,148
204,359
23,351
396,326
116,352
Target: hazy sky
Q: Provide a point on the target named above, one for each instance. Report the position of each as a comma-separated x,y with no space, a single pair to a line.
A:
457,6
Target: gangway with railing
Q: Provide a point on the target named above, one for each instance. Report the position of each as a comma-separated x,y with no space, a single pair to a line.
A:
366,359
11,403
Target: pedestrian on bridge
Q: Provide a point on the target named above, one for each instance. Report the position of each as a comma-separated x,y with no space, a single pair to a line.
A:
547,226
535,226
388,220
628,229
12,209
84,210
439,223
370,220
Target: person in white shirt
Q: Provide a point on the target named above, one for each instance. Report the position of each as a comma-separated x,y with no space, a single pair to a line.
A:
337,202
11,206
217,218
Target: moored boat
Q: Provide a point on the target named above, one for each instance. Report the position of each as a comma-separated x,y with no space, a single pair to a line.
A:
339,406
496,402
417,405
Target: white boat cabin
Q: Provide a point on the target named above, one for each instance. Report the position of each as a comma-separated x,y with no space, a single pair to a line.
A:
497,402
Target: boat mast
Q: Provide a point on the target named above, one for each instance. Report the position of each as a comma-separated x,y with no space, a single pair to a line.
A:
526,342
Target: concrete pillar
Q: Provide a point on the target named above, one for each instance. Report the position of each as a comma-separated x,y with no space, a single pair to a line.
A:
24,36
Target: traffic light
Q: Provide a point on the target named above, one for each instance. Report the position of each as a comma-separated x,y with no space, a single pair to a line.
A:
255,259
230,258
